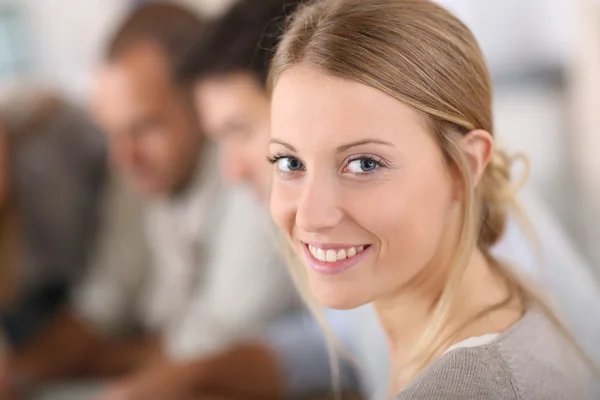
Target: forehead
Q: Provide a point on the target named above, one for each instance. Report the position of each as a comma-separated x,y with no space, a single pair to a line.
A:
140,77
236,89
313,106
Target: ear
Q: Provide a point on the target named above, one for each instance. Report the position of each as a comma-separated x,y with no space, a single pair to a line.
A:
478,146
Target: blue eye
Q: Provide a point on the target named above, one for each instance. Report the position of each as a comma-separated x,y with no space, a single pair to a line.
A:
286,163
363,165
289,164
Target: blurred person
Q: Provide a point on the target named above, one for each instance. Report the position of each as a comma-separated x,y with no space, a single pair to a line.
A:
211,280
51,177
390,192
229,70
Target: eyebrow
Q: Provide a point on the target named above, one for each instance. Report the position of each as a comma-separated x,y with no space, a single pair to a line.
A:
284,144
348,146
340,149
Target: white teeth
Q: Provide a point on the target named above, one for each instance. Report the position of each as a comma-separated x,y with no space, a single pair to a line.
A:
331,256
321,255
351,252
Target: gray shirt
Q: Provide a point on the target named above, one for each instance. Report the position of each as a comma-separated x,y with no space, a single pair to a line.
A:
529,361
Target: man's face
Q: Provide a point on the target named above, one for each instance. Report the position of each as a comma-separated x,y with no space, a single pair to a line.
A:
234,110
151,128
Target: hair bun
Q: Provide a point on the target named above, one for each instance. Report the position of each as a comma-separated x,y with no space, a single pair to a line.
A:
498,194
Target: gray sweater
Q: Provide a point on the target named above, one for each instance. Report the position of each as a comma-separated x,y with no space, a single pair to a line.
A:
530,361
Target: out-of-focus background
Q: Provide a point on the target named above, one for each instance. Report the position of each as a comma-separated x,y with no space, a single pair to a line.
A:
544,56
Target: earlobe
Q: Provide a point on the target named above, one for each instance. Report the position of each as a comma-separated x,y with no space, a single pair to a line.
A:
478,146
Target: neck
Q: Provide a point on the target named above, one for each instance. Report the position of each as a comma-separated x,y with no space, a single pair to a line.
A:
407,314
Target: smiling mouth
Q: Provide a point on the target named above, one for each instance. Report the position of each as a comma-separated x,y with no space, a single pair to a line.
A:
332,261
334,255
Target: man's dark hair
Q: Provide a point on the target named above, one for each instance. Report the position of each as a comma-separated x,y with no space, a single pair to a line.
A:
174,29
244,39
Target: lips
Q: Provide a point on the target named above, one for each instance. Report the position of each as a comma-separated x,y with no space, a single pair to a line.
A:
334,259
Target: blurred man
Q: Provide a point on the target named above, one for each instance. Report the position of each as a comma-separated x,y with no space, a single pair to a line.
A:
212,280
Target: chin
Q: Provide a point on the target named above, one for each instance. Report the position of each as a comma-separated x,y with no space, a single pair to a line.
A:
342,296
151,189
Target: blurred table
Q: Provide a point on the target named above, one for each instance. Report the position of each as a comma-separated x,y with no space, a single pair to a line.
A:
90,390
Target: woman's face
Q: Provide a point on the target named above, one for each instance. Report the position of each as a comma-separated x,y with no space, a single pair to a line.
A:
234,111
361,188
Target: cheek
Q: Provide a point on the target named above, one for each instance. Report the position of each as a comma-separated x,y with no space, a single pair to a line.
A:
258,150
409,221
283,207
230,151
258,145
253,159
156,146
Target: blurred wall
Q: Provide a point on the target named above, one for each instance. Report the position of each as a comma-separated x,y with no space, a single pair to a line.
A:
519,34
585,113
208,7
66,36
63,46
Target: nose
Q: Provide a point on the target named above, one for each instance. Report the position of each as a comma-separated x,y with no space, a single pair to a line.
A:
233,165
319,209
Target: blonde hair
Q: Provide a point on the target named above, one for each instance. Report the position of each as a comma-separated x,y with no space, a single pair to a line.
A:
420,54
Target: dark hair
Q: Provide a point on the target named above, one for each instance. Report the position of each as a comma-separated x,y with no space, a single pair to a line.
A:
174,29
244,39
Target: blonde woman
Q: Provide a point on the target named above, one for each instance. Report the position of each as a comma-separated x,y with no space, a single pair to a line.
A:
389,190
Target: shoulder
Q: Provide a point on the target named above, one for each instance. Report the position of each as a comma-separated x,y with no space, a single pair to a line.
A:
530,360
469,373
